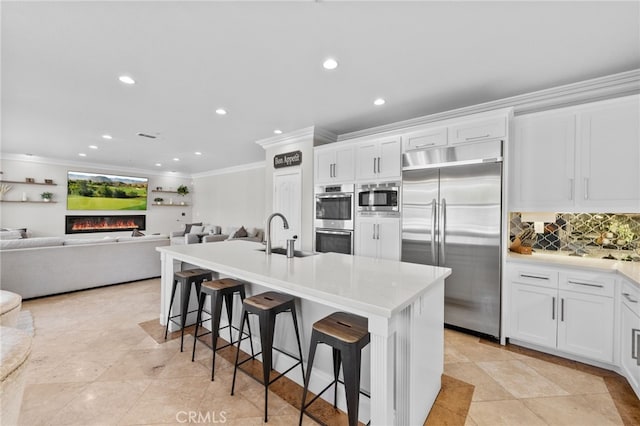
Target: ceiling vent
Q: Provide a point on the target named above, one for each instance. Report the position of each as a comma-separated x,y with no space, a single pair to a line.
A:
146,135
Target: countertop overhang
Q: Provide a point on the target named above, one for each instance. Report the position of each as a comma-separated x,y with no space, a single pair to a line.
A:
366,285
629,270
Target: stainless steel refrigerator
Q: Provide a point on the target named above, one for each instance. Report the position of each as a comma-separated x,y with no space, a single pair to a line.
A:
451,216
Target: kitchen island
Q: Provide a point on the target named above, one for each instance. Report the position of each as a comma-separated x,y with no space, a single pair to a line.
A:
403,302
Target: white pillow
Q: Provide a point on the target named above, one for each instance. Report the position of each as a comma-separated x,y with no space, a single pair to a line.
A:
196,230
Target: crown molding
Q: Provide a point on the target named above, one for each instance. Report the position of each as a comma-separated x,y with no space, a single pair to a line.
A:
313,133
228,170
82,164
596,89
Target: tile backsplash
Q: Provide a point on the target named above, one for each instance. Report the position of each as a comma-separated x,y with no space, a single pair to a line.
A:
602,234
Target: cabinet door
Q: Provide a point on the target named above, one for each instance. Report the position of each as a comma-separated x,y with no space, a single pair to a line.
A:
629,342
343,168
427,138
389,238
533,314
389,164
324,165
478,130
367,161
365,232
585,325
544,162
610,176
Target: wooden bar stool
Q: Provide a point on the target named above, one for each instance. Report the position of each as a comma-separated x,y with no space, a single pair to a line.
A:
266,306
347,334
186,279
220,289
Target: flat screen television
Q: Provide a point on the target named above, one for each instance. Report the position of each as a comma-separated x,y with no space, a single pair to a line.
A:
100,191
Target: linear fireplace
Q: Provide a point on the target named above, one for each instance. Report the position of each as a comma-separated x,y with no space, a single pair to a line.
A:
104,223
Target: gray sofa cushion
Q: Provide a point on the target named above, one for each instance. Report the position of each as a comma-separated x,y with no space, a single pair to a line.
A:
31,243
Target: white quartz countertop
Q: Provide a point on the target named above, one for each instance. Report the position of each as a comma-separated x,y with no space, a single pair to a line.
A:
365,285
630,270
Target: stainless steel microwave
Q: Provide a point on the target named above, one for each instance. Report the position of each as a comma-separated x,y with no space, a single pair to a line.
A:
379,197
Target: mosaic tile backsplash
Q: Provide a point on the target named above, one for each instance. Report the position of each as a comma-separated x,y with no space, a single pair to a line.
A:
606,235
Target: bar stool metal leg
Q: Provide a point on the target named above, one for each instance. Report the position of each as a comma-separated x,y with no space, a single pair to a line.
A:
173,295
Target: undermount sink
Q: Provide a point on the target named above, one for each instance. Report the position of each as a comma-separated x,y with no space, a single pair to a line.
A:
296,253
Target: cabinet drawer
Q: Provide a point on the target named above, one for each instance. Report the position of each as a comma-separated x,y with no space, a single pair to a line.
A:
630,296
425,139
478,130
589,283
540,277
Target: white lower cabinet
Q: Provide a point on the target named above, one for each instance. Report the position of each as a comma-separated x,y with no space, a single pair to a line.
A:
377,237
630,335
565,310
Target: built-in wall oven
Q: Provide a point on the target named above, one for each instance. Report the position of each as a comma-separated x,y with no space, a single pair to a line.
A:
334,218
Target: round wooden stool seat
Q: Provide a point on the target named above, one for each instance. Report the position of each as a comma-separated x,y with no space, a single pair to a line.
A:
221,284
268,300
191,273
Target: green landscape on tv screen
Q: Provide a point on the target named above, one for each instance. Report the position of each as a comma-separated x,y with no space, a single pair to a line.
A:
98,191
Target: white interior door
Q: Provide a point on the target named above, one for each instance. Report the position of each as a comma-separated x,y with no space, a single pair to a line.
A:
287,199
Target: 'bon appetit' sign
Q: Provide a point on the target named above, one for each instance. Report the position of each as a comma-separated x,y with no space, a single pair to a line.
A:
287,159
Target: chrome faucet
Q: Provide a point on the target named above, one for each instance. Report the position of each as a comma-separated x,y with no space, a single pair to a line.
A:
269,219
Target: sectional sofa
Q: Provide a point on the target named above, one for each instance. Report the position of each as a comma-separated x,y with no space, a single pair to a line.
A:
34,267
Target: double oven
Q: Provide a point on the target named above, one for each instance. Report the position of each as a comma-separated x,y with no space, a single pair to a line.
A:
334,218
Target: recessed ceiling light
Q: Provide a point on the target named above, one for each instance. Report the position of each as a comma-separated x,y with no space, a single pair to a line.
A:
277,131
197,153
221,111
108,137
379,102
126,79
93,147
176,159
330,64
158,164
82,154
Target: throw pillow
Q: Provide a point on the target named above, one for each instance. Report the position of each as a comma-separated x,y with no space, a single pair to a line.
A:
196,229
137,233
187,226
240,233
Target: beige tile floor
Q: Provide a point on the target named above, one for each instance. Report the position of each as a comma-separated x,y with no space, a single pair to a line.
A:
92,363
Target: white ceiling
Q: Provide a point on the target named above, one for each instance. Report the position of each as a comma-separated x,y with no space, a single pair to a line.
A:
262,62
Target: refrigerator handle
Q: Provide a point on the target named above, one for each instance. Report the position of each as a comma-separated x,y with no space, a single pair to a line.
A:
434,207
443,230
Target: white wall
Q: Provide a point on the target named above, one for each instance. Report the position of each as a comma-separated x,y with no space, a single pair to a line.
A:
232,197
49,219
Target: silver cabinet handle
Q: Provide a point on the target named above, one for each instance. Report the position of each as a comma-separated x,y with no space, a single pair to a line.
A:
425,144
443,230
571,189
586,188
628,297
379,164
562,309
635,342
478,137
585,284
553,308
373,237
534,276
433,230
378,226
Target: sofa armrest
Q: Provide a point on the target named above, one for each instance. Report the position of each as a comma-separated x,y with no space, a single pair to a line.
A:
176,234
214,238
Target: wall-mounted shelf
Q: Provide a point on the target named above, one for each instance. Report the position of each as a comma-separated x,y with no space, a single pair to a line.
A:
27,183
27,202
170,205
166,192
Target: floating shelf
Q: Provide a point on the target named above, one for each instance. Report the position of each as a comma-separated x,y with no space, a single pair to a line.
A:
26,202
27,183
170,205
167,192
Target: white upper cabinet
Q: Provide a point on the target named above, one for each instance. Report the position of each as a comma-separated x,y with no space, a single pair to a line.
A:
333,164
427,138
544,161
378,159
610,156
477,130
581,158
